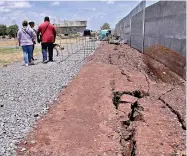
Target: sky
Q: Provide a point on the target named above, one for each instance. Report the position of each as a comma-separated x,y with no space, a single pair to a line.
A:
95,12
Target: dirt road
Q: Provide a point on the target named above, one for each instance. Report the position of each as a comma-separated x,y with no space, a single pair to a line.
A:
112,108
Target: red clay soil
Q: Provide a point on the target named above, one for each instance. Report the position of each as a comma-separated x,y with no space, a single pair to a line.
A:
113,108
168,57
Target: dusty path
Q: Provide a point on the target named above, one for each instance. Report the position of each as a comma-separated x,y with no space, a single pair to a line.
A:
85,121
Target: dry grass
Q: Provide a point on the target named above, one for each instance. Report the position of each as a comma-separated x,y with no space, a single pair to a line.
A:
10,55
8,42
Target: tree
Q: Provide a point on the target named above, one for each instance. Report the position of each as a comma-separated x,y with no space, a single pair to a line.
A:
3,30
105,26
12,30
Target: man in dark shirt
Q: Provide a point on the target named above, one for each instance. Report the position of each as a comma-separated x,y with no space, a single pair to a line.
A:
47,32
32,24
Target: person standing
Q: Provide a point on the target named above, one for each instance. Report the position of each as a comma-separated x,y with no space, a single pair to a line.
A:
26,37
46,34
32,24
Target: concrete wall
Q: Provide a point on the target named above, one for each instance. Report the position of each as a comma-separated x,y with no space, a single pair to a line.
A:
123,27
137,31
70,30
67,23
165,24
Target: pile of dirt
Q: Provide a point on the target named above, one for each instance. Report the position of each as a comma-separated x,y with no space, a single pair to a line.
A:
169,58
112,108
158,62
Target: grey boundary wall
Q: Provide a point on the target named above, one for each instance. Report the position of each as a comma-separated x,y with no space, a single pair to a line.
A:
163,23
136,37
123,27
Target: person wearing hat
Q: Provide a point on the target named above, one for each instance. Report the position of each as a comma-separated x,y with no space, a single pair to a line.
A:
32,24
26,37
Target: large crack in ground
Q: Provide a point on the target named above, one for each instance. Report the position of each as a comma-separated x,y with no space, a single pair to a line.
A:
127,132
179,117
182,122
172,88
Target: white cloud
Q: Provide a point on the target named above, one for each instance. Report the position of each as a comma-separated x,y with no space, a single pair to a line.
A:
110,2
43,14
17,14
19,5
4,10
55,3
3,18
2,2
93,9
87,9
32,13
122,5
53,19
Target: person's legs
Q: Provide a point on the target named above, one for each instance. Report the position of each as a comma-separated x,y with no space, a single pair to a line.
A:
25,55
33,52
50,49
44,52
30,50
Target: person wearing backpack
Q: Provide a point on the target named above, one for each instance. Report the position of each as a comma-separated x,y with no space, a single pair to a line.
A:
32,24
26,37
46,34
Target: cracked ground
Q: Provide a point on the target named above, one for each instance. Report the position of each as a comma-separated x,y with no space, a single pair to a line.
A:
116,106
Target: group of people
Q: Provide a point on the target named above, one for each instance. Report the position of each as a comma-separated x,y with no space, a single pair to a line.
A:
28,36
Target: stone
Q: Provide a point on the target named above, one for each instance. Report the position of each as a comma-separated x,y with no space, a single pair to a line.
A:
23,149
33,142
128,98
36,115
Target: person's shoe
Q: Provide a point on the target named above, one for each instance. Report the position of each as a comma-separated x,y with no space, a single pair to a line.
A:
26,64
34,59
50,60
45,61
31,63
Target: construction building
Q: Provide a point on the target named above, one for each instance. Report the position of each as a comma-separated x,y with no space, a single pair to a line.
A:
71,27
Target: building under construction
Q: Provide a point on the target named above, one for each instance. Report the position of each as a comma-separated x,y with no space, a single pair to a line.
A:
71,27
